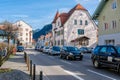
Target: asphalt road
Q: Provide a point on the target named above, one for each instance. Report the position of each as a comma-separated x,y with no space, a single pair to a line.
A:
55,68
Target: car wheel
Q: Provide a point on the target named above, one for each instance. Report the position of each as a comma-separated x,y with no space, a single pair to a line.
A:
61,56
96,64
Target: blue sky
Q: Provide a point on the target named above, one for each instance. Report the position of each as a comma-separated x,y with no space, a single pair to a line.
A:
38,13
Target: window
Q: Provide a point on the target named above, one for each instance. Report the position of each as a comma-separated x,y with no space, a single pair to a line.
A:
58,42
111,50
58,23
21,34
26,29
80,31
109,42
75,22
86,22
26,39
113,24
114,4
103,50
58,33
105,26
62,42
62,31
26,34
80,22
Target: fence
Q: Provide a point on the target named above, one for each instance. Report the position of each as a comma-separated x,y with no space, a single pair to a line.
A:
32,68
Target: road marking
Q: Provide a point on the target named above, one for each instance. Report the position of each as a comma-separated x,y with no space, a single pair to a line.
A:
101,74
73,74
65,62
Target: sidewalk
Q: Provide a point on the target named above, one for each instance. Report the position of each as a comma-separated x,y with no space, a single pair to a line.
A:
20,70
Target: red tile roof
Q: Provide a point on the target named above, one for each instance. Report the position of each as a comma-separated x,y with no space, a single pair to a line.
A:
65,16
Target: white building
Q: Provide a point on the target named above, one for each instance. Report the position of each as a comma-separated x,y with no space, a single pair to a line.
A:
25,34
74,28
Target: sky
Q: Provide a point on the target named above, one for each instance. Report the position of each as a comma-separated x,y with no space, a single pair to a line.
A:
38,13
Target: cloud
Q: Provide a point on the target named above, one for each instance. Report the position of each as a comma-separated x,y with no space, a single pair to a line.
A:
64,9
20,16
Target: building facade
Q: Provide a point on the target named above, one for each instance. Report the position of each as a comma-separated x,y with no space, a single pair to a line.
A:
75,28
108,17
25,34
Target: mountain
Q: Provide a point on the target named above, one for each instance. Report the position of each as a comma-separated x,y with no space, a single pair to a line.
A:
43,31
34,31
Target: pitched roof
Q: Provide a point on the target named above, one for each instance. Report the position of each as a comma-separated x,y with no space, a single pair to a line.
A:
56,16
65,16
99,9
77,7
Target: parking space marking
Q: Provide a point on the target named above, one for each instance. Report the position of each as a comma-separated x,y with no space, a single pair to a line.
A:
65,62
101,74
73,74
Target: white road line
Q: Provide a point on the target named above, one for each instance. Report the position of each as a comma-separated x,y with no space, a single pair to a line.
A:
73,74
101,74
65,62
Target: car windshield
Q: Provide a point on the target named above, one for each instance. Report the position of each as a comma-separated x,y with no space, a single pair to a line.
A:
72,49
96,49
118,49
20,47
56,48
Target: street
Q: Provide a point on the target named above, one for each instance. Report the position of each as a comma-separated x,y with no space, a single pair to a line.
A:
55,68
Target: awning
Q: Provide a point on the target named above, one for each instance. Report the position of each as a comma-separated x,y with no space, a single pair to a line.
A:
80,39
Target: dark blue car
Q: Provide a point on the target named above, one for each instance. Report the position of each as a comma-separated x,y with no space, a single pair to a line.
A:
70,52
20,48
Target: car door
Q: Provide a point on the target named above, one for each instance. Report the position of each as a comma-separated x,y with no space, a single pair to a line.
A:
113,57
103,54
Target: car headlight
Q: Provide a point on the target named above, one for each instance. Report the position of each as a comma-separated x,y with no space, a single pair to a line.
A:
71,53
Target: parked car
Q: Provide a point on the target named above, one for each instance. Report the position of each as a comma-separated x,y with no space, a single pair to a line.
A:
46,49
20,48
41,48
69,52
55,50
85,50
106,55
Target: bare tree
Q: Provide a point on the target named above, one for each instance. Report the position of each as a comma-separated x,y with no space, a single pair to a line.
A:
10,31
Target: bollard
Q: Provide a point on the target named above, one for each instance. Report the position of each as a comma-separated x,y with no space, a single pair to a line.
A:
31,69
28,63
41,75
34,72
25,56
0,60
